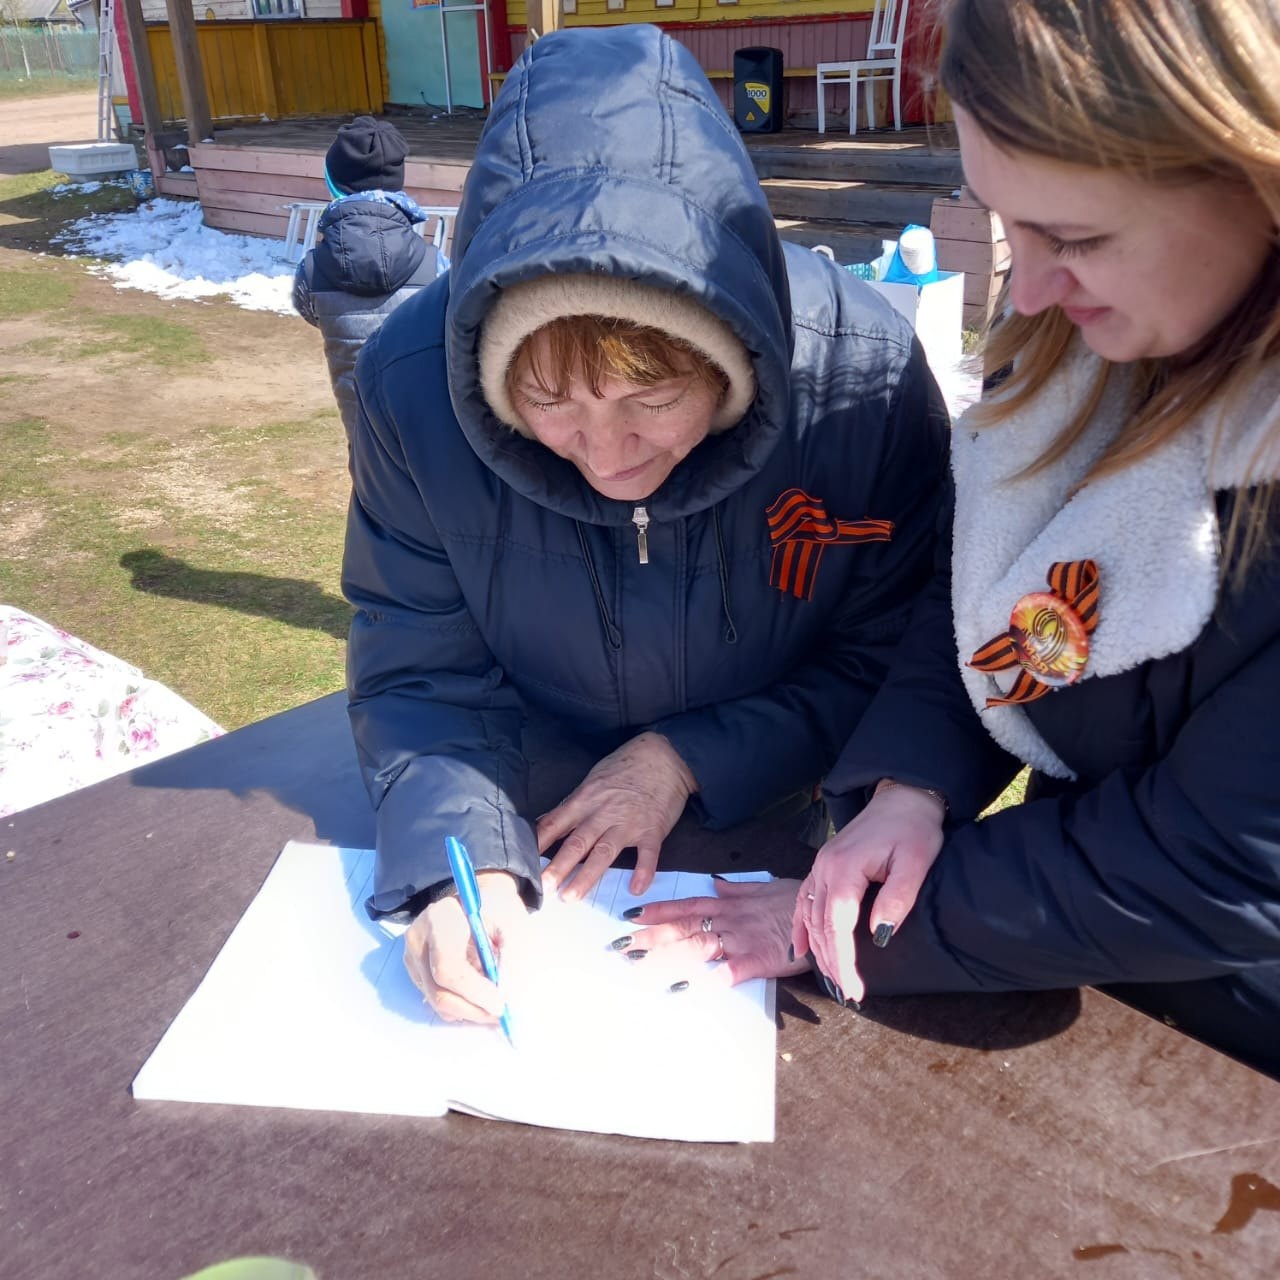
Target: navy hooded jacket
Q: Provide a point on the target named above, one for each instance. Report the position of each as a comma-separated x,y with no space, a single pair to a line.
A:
489,576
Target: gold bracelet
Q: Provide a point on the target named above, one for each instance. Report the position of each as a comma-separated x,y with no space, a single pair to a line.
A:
886,783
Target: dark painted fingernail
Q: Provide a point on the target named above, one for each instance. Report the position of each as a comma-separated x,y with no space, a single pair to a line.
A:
882,934
679,986
791,953
715,875
637,954
632,913
621,944
837,995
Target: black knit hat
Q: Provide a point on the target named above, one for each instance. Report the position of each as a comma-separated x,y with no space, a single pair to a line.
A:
367,155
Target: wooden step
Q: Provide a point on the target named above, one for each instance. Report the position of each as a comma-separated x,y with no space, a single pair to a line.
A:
180,186
810,199
842,162
849,241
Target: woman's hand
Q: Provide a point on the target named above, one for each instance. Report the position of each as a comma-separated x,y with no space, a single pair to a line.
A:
441,957
633,797
748,927
894,841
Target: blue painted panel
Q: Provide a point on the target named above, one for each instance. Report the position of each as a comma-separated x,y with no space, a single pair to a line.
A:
415,62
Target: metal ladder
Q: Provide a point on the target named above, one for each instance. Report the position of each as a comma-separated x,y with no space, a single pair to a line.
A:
106,63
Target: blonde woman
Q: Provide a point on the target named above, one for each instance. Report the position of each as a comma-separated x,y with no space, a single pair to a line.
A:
642,501
1112,617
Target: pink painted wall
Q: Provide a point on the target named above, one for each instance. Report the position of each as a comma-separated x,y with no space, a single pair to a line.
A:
803,44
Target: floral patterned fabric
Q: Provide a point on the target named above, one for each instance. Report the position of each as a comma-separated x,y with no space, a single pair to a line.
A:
71,714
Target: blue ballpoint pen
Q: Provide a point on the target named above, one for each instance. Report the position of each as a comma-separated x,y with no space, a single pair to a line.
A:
464,876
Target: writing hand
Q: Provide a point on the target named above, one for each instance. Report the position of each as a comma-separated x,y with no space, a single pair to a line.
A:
441,957
633,797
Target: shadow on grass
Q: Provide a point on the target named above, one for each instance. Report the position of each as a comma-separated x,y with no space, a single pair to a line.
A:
289,600
31,215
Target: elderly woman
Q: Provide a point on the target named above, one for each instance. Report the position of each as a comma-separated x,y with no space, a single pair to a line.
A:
631,479
1113,612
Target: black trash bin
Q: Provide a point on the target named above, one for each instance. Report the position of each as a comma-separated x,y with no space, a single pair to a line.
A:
757,90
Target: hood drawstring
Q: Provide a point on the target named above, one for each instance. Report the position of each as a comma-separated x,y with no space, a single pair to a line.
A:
611,631
731,631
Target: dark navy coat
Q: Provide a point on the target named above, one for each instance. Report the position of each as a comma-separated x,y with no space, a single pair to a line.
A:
1155,873
489,577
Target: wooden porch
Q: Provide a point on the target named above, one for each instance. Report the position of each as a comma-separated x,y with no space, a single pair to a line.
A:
248,172
245,176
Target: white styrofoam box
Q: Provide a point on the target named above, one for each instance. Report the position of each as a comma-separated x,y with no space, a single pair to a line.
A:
85,159
936,312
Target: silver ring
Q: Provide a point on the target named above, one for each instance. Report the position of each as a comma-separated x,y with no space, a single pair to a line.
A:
706,924
719,955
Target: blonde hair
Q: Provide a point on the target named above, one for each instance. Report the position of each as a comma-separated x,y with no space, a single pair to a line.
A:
596,348
1169,91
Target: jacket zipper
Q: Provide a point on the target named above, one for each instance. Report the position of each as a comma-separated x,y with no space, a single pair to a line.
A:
640,518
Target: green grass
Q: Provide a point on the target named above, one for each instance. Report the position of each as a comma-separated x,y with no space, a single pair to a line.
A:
21,185
21,435
25,293
1014,793
168,344
186,556
31,214
44,83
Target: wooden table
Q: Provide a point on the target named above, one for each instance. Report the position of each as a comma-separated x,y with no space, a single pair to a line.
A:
1019,1136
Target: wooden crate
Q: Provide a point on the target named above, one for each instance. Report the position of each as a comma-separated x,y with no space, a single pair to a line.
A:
970,238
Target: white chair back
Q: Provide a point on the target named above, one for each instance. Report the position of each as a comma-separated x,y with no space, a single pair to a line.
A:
304,220
300,233
438,227
888,25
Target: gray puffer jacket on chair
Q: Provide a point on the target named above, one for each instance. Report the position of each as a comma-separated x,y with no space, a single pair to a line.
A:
370,261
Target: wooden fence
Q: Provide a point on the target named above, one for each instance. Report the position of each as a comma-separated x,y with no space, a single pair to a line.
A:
275,68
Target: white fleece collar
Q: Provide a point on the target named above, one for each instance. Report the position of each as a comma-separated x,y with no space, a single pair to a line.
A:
1152,530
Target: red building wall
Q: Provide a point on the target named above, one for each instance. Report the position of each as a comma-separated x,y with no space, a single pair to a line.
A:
804,43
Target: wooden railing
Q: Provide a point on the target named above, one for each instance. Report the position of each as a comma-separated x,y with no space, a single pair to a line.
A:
276,68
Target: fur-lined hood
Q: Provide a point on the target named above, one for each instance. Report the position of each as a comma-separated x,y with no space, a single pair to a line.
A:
607,153
1152,529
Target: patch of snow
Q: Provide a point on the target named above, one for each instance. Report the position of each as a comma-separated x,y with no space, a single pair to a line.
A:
163,247
85,188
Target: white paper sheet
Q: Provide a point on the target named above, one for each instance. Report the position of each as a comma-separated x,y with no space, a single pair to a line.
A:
308,1005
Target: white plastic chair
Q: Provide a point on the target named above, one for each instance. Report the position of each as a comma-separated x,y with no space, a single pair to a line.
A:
883,62
300,234
304,221
438,227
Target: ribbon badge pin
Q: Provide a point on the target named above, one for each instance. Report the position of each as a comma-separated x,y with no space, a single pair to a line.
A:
800,530
1048,635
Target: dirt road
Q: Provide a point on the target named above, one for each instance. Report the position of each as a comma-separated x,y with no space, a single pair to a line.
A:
29,126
